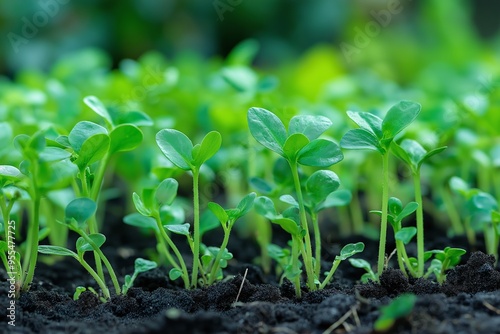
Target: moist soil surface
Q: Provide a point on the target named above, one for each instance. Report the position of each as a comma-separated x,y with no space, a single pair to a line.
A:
469,301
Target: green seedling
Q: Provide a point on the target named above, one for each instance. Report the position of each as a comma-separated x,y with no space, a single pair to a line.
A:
377,134
346,252
46,168
77,213
363,264
78,292
398,308
321,192
140,266
443,261
227,218
414,155
179,149
282,256
154,206
402,235
299,145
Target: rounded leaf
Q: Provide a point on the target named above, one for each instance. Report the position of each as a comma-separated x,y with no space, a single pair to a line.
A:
124,137
138,220
337,198
395,206
139,205
166,192
176,146
294,144
320,153
320,184
98,107
9,173
209,146
361,139
267,129
399,117
246,204
367,121
406,234
308,125
56,250
219,212
80,209
351,249
143,265
182,229
83,246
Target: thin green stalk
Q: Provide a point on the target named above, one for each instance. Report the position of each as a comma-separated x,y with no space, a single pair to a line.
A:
164,249
383,222
399,254
469,232
96,277
32,242
185,275
420,224
307,254
196,227
104,259
328,278
295,266
99,176
317,243
215,265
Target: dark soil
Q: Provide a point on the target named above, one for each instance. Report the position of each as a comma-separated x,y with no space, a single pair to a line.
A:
469,301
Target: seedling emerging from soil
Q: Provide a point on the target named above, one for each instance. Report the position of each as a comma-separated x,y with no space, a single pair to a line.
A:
140,266
399,307
363,264
346,252
179,149
299,145
414,155
443,260
377,134
227,218
402,235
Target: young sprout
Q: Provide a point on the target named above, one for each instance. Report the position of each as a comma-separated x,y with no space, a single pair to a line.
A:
443,260
227,218
179,149
363,264
140,266
402,235
377,134
399,307
414,155
300,145
150,207
346,252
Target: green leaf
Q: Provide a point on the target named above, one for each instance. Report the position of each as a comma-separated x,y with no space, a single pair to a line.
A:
80,209
142,265
56,250
243,53
208,222
98,107
83,246
83,131
320,153
260,185
406,234
320,184
454,252
136,118
289,200
182,229
172,215
360,263
219,212
176,146
351,249
139,205
398,308
399,117
395,206
288,225
208,147
265,207
51,154
267,129
293,145
166,192
408,210
310,126
174,274
367,121
138,220
9,173
246,204
336,198
125,137
458,185
360,139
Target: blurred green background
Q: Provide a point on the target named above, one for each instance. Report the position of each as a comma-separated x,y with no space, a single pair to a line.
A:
284,28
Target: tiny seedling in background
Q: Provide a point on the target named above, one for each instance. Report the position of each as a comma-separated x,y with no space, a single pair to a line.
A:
363,264
443,261
377,134
140,266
